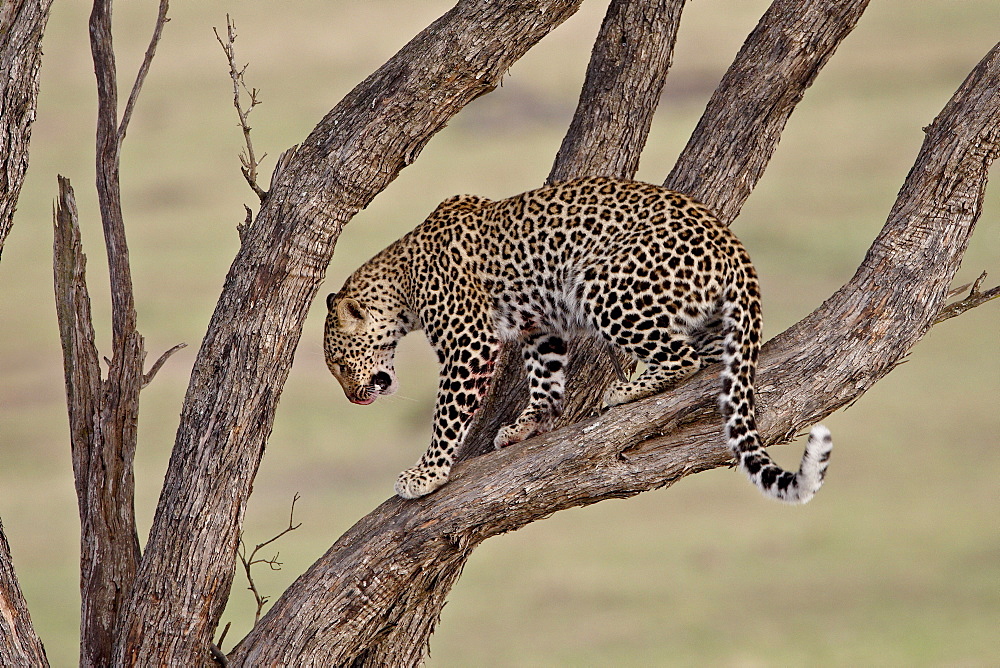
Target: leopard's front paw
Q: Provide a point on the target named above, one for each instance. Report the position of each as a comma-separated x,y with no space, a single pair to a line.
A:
419,481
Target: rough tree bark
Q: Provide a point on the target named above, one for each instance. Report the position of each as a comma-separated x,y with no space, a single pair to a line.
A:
376,592
22,23
380,127
742,123
103,412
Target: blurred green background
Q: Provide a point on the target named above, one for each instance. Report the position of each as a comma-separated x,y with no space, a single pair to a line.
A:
897,562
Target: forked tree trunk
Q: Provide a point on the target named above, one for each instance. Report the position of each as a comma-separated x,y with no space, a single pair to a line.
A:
361,145
374,597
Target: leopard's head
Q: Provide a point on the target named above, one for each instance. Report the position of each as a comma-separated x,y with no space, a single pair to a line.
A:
359,343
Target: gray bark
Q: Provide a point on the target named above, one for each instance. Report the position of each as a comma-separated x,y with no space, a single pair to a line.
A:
103,412
22,23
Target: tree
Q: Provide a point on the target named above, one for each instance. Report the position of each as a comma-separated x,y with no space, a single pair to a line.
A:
375,597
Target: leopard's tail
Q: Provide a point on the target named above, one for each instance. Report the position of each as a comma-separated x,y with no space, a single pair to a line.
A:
736,403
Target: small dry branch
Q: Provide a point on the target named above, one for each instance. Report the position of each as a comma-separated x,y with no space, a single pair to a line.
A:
248,159
273,563
147,377
975,298
147,60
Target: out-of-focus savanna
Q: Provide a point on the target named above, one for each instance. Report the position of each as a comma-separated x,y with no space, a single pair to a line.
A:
896,562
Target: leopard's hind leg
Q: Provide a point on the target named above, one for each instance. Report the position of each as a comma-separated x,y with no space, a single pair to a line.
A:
544,362
673,360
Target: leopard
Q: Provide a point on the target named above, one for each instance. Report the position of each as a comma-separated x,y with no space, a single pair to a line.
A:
651,272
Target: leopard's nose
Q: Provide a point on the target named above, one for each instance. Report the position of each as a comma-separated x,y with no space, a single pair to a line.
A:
382,380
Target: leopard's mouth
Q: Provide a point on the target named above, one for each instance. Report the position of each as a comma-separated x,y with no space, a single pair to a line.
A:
364,399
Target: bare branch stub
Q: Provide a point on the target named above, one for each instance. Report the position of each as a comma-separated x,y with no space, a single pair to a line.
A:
248,160
147,377
975,298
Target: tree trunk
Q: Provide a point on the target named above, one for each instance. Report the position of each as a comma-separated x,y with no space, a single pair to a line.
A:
22,23
19,644
373,598
360,146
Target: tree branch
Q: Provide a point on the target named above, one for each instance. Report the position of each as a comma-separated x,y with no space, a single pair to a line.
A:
140,78
248,161
108,541
22,23
742,124
972,300
379,128
394,566
147,377
19,644
275,565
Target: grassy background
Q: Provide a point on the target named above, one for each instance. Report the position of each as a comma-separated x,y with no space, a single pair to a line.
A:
898,560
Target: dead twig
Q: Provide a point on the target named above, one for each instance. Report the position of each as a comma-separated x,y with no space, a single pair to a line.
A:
273,563
147,377
972,300
248,159
161,20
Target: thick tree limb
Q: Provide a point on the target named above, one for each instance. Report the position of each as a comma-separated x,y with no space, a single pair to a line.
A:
741,126
22,23
19,644
387,576
360,146
627,70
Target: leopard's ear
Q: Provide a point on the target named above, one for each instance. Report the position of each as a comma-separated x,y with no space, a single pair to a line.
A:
351,315
331,301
